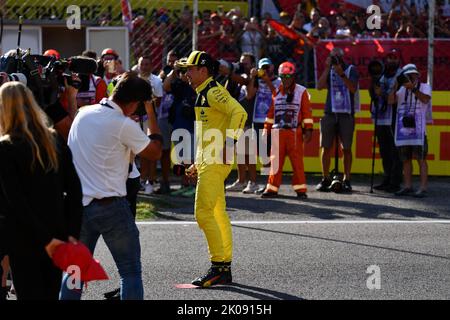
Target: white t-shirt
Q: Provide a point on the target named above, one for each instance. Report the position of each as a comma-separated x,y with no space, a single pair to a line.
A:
101,139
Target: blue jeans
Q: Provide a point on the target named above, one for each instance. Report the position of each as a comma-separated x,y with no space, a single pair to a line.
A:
115,223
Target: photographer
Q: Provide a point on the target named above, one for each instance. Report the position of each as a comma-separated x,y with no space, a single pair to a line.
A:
103,176
182,117
341,80
384,115
236,72
413,99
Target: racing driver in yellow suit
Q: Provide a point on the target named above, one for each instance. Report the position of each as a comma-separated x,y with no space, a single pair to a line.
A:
215,110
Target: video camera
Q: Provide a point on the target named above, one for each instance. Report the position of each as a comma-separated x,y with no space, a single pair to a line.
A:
45,74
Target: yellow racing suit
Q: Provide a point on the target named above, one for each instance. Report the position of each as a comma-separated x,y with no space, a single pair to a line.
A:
215,109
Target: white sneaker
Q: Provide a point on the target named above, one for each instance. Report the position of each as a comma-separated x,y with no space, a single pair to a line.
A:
148,188
252,187
236,186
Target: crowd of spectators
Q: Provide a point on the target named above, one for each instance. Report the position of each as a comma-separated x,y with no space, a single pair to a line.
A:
226,35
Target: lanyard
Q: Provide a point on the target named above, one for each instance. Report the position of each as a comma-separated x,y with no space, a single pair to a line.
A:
104,104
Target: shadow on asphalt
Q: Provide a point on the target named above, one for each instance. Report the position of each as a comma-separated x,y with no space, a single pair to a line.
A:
324,208
344,242
256,292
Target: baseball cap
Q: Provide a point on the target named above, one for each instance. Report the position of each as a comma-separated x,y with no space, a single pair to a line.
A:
198,58
410,68
263,62
109,51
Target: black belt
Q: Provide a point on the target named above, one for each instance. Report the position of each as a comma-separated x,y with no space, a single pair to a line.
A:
105,201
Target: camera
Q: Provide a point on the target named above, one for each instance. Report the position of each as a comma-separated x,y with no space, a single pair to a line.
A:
44,74
402,79
375,70
335,60
237,67
409,121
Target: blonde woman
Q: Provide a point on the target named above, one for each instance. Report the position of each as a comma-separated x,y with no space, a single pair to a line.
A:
40,194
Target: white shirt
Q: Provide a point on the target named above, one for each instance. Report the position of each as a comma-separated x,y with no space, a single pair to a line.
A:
101,140
411,103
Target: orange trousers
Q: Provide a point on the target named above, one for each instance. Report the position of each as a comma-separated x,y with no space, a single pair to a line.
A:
290,143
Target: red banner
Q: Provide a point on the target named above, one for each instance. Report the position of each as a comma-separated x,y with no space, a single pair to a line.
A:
361,52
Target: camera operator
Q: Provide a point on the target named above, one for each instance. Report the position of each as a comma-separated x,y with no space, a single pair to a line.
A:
103,176
413,99
49,100
93,88
385,114
341,80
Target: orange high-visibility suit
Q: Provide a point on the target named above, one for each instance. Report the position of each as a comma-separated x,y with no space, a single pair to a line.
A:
286,117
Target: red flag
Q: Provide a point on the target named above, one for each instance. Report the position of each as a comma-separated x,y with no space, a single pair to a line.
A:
287,32
284,30
127,16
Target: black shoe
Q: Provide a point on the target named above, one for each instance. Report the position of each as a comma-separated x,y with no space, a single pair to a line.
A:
269,194
346,186
382,187
217,274
324,184
405,192
420,194
302,195
113,295
392,188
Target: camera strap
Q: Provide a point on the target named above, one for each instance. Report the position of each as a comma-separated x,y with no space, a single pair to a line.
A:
408,111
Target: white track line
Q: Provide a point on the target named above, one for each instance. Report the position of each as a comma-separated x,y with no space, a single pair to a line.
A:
430,221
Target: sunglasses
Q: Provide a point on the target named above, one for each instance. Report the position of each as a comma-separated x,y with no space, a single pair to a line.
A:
286,76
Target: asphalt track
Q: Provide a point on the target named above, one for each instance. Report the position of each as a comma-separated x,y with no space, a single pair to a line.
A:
331,246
